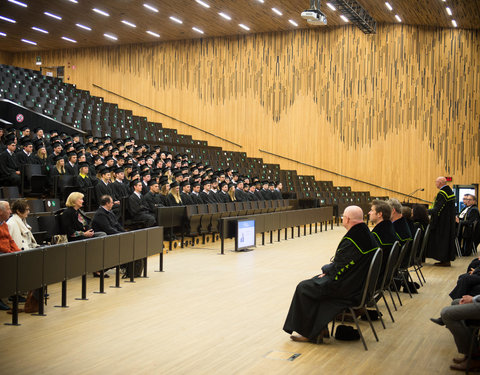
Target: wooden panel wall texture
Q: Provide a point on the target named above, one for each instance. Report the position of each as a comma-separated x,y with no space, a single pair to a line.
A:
5,57
396,109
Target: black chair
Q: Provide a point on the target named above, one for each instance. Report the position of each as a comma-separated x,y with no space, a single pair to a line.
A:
52,205
367,295
36,205
404,254
34,181
384,284
420,256
49,225
10,193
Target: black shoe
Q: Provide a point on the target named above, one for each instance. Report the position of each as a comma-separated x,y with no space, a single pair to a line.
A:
20,299
4,306
438,321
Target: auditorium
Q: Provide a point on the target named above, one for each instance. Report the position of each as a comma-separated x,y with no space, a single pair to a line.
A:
239,187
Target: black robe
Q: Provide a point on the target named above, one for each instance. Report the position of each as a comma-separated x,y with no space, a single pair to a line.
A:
441,244
317,301
152,201
385,235
186,199
402,230
196,198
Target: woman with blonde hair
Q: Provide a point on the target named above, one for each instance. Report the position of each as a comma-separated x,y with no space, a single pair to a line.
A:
231,192
75,223
173,198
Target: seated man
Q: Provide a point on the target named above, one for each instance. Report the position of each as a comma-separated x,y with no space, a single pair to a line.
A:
317,301
136,207
454,317
383,231
400,225
153,198
104,219
466,220
9,167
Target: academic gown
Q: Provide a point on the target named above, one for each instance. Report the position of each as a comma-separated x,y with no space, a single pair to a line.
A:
385,235
441,243
402,230
186,199
317,301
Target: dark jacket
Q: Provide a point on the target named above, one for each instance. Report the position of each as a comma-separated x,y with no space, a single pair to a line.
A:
106,221
72,223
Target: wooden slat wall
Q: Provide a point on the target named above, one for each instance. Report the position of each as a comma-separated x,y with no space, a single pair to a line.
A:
5,57
397,108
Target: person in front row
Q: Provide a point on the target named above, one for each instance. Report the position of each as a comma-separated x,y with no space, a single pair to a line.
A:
318,300
7,244
19,229
75,223
104,219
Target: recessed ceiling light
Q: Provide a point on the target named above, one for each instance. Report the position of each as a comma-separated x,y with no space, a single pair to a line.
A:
293,23
154,34
73,1
83,27
331,6
176,20
244,27
101,12
261,1
454,23
3,34
7,19
68,39
226,16
40,30
203,3
150,7
129,23
52,15
18,3
275,10
449,11
387,4
398,18
197,30
345,19
28,41
110,36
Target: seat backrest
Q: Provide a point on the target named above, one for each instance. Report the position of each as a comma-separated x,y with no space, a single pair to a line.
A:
52,205
390,269
423,247
10,192
415,246
404,253
372,277
48,224
36,205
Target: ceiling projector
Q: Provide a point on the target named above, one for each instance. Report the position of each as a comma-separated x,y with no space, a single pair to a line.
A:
314,17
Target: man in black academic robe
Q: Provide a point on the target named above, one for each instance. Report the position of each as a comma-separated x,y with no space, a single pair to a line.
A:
441,244
137,209
318,300
104,219
383,231
9,167
153,198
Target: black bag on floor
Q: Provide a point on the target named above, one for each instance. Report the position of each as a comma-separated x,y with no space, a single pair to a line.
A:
346,333
137,268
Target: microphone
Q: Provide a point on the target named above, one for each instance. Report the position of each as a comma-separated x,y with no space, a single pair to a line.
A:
413,193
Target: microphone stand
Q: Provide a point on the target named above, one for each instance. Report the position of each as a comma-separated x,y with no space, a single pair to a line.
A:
413,193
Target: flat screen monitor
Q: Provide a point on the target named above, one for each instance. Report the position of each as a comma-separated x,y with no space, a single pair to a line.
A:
245,236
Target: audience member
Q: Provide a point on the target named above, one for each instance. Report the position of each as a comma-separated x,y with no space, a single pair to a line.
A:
75,223
137,209
173,198
20,231
466,220
153,198
317,301
400,225
9,167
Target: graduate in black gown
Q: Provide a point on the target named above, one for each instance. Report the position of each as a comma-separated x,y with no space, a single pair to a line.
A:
318,300
441,244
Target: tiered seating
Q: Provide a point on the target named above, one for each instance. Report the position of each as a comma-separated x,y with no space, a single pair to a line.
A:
65,103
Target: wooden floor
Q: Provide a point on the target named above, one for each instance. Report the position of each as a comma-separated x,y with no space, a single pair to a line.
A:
214,314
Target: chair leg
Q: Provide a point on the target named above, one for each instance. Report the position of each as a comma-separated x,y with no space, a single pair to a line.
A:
398,294
415,268
358,328
391,296
371,324
415,289
406,284
379,314
419,266
388,307
457,245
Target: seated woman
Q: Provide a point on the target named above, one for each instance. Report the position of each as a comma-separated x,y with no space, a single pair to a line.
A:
76,224
173,197
19,229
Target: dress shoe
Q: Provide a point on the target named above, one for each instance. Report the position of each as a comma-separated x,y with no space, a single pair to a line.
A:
459,359
438,321
4,306
442,264
298,338
462,366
